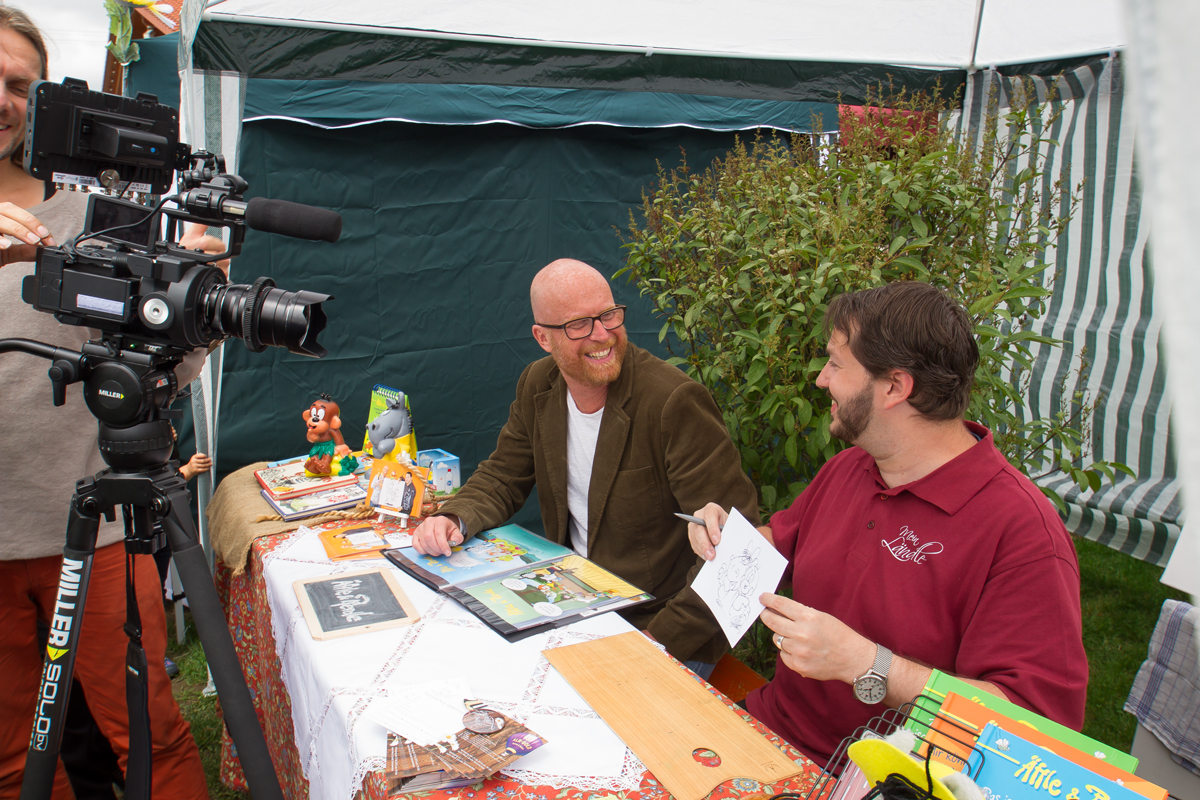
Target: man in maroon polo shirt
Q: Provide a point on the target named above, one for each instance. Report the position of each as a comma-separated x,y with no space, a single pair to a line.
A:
919,547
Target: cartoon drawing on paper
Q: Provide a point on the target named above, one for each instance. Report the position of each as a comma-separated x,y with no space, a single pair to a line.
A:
736,581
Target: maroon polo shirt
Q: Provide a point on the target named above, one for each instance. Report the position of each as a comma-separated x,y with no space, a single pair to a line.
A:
968,570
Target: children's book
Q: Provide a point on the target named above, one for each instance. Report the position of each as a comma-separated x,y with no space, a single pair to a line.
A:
289,480
951,743
361,539
939,685
519,583
397,489
306,505
1007,765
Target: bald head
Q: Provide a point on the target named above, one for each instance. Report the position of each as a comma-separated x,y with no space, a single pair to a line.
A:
560,286
567,290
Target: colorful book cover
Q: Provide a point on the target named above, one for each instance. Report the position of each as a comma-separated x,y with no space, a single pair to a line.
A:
357,540
566,588
940,685
390,434
951,743
485,554
289,480
318,502
1008,766
397,489
519,583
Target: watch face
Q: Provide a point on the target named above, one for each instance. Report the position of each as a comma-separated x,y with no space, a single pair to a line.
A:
870,689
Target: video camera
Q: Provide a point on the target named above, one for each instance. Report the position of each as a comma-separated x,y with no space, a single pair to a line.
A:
141,291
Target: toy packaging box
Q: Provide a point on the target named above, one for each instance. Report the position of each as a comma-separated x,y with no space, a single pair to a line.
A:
444,473
390,435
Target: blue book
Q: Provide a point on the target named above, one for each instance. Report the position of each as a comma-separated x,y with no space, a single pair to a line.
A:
1014,769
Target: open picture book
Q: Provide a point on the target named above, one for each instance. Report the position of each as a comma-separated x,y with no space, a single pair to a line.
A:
519,583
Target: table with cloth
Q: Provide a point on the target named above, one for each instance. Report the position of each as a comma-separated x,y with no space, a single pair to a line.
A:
315,698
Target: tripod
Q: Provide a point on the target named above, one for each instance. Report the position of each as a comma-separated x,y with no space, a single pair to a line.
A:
129,392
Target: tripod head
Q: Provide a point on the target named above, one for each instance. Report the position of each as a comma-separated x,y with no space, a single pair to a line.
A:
128,386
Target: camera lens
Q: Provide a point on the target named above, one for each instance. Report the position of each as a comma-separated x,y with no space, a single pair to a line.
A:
261,314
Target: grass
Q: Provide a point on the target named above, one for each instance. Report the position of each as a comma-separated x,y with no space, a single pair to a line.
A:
200,711
1121,598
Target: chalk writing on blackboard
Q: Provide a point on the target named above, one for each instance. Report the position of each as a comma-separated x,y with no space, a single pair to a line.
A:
340,605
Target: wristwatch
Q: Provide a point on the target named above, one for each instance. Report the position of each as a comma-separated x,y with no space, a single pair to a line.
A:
871,688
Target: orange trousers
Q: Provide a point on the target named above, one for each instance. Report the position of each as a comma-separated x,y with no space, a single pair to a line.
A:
27,591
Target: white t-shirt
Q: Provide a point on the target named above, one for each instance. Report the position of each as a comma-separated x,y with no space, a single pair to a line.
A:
582,432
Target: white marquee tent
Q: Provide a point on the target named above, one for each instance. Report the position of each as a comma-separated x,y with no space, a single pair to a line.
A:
718,66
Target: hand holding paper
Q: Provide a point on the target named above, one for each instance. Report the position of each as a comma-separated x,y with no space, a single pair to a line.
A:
744,567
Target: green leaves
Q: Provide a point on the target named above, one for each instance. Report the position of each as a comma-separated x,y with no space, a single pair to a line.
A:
742,258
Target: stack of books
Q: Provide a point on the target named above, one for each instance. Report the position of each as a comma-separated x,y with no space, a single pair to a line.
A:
1012,752
293,493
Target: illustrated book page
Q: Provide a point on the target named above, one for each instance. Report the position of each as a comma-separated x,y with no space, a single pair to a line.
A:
485,554
555,592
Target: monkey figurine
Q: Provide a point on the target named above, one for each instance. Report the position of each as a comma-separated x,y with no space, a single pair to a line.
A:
329,454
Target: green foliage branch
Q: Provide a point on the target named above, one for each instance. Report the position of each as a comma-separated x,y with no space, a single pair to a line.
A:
742,259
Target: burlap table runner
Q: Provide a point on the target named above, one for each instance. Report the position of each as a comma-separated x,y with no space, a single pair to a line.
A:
232,512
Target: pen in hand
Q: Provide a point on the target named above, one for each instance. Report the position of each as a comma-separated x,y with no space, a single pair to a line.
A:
695,520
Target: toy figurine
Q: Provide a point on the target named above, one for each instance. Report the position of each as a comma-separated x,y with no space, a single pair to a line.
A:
330,454
392,424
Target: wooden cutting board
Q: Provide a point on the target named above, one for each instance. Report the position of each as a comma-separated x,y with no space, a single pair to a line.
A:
663,715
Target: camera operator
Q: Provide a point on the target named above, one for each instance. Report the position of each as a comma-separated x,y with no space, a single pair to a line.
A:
43,452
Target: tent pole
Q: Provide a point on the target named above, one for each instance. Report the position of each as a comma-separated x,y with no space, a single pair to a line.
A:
975,39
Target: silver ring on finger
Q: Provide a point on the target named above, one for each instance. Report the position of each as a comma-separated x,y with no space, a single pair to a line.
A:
778,638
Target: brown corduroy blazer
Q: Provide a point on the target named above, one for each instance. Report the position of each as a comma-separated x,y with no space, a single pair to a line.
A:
663,447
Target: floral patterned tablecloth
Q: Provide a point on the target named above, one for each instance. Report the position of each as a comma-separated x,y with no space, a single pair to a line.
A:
249,617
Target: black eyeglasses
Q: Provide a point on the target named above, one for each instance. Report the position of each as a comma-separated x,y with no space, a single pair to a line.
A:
582,328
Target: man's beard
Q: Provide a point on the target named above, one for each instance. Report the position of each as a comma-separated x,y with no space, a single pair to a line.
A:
580,368
854,415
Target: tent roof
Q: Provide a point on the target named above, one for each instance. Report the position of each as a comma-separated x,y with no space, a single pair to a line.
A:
925,33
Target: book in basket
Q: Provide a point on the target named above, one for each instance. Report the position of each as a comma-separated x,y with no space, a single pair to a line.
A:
519,583
307,505
290,480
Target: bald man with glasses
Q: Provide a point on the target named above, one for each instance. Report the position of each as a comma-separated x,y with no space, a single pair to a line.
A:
617,441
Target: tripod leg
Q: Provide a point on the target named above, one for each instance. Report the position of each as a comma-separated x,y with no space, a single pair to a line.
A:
55,689
236,704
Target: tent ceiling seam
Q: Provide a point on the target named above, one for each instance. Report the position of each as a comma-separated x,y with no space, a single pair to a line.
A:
645,50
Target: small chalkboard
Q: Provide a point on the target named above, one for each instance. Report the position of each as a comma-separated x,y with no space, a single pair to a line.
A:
354,602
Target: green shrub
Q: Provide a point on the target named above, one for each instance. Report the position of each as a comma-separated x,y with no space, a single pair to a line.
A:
743,258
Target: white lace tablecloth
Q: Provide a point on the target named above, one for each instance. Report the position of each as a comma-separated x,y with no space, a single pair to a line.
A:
332,683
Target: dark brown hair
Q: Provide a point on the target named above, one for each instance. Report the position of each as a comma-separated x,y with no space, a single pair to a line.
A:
917,328
15,20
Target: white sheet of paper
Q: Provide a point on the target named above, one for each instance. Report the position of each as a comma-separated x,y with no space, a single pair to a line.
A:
574,746
424,714
746,566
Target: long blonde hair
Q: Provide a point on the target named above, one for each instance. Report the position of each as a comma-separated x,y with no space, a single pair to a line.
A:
18,21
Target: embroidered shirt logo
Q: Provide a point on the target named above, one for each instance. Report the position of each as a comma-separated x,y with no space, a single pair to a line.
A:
907,547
